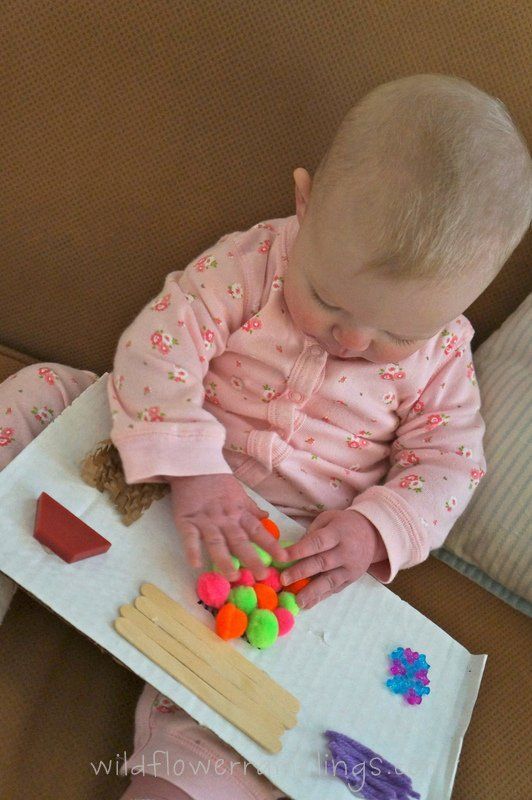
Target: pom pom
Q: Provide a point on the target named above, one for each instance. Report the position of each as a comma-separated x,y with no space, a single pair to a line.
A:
236,565
273,579
288,600
231,622
284,564
297,585
271,527
245,578
286,620
243,597
213,588
263,628
266,596
263,555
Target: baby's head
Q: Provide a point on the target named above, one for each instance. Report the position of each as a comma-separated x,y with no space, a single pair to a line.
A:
423,195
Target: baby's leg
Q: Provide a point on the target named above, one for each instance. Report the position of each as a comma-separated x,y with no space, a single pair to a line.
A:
29,400
146,787
170,744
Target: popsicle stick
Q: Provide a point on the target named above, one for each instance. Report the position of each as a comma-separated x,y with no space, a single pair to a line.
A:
240,682
202,669
218,646
239,718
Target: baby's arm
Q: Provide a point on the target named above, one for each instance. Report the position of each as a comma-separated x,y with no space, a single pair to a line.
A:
437,461
156,395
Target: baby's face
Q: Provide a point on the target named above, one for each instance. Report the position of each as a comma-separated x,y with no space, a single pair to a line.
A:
364,314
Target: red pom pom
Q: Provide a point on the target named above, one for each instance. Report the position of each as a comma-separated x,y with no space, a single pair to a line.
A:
286,620
213,588
245,578
273,579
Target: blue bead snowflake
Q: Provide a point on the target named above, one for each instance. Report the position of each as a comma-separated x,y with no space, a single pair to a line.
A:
409,670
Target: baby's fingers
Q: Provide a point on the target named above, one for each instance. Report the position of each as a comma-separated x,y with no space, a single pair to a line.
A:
218,549
191,538
258,533
322,587
314,541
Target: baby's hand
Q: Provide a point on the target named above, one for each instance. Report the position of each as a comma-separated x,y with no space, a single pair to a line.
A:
217,510
340,544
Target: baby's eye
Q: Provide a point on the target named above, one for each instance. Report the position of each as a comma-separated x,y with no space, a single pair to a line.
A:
404,342
322,303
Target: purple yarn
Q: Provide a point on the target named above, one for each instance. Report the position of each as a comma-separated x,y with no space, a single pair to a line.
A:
364,753
388,786
395,787
366,791
374,785
356,750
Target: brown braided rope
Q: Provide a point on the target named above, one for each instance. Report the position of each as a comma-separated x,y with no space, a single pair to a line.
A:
102,468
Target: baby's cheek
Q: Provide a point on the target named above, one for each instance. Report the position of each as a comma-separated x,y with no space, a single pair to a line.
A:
303,316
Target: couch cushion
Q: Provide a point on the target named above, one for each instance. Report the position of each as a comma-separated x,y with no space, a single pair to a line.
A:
11,361
492,540
136,134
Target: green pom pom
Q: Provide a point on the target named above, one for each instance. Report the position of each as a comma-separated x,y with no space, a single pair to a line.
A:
288,600
236,564
263,628
243,597
263,555
284,564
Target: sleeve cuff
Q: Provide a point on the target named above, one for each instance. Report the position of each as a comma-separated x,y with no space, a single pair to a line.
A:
152,458
406,544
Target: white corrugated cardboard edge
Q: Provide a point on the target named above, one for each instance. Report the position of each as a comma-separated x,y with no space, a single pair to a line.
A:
335,660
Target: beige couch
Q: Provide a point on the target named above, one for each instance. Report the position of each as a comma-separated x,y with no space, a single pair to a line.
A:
133,135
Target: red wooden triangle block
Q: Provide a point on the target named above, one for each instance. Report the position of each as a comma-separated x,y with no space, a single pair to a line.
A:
64,533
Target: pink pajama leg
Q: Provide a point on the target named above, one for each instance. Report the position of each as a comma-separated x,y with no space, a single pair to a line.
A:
171,745
145,787
32,398
29,400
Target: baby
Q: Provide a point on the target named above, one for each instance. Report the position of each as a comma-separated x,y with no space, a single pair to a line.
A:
323,360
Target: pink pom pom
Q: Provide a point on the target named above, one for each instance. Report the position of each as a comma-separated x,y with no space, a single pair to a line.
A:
273,579
245,578
213,588
285,618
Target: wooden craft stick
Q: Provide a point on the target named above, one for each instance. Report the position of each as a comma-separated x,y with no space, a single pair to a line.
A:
202,669
249,724
240,682
219,648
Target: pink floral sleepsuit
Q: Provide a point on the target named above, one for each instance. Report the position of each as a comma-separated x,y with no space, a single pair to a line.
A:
213,376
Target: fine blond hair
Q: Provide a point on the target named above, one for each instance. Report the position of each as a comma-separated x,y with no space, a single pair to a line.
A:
438,172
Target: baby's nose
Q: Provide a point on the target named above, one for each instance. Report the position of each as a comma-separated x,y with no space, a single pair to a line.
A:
352,338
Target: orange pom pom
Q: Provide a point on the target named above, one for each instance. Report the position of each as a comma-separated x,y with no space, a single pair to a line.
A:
296,586
266,596
271,527
231,622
